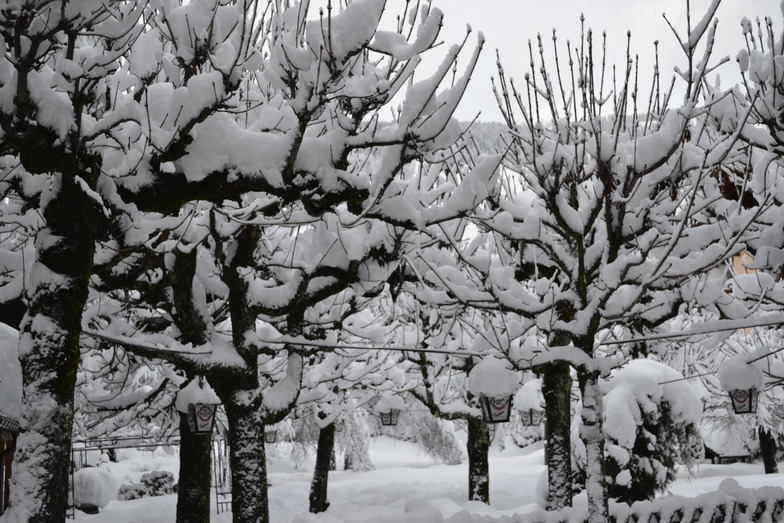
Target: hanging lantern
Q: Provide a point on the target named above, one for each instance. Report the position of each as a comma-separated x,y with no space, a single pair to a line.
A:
390,417
744,401
495,409
270,435
389,407
201,418
532,417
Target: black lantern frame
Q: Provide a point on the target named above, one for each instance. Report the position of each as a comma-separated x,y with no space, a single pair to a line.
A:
390,417
744,401
201,418
495,409
531,417
270,436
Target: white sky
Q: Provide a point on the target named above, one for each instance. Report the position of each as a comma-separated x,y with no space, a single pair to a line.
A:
509,24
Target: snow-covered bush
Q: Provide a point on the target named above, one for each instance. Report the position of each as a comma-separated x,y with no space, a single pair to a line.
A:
435,437
93,488
155,483
651,423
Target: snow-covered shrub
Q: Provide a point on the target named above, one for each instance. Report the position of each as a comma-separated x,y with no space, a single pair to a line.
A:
651,424
155,483
436,438
132,491
355,446
94,488
433,436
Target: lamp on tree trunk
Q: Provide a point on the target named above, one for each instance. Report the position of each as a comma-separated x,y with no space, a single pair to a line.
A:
198,402
201,418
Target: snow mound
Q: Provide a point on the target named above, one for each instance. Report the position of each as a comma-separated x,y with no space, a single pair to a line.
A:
195,392
93,486
491,378
735,373
388,403
530,395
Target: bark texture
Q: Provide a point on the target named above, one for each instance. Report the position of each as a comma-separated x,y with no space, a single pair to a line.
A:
247,458
478,445
49,353
593,436
768,450
557,390
193,493
193,488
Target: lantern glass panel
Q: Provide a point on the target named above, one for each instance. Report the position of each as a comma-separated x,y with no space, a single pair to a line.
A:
531,417
744,401
390,418
495,409
537,415
271,436
201,418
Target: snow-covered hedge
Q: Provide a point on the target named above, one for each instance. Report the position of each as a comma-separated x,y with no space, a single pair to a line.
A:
730,503
156,483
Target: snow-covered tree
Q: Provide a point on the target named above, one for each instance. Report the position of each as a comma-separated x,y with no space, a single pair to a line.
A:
452,349
608,218
110,109
651,421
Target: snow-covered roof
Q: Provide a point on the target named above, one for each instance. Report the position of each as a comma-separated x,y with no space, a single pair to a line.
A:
10,378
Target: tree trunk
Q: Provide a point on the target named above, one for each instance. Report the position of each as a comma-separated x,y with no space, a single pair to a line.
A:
768,450
593,435
247,459
324,456
193,489
477,446
193,493
49,352
557,391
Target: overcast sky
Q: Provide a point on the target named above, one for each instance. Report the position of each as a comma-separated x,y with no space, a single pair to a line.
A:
509,24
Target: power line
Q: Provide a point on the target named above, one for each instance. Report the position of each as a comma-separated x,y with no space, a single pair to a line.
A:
709,328
328,345
127,342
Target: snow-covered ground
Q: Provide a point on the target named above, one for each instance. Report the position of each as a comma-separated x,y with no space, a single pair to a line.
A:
406,487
